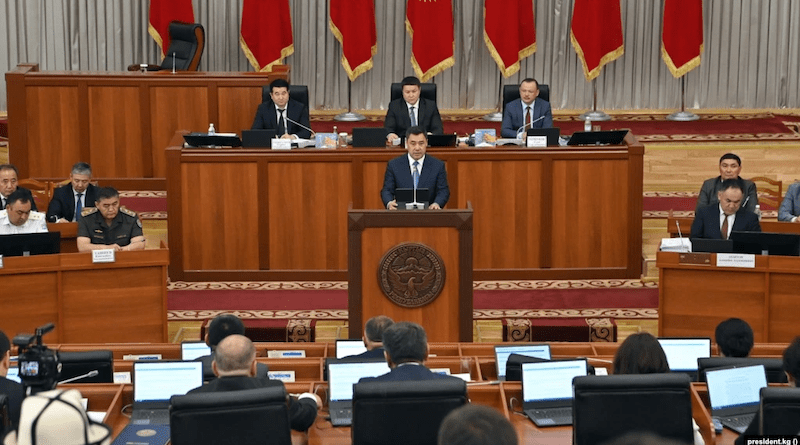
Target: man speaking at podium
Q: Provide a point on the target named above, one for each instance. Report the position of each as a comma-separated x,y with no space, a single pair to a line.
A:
416,170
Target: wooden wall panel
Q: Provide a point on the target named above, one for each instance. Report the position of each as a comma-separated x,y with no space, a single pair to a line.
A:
237,108
115,142
373,172
184,108
18,291
782,294
54,131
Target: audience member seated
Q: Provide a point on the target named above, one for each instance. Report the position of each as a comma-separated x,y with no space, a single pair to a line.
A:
18,216
734,337
70,199
730,165
790,206
235,367
373,337
109,226
718,220
476,425
791,365
430,173
529,111
411,111
220,327
10,388
9,176
281,111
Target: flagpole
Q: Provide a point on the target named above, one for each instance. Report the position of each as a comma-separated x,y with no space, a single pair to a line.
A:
349,116
497,116
683,115
595,114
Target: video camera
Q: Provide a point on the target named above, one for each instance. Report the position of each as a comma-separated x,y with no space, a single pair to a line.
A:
39,367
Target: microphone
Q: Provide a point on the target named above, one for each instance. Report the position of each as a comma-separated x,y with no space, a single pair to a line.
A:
297,123
92,373
173,62
680,235
744,204
531,124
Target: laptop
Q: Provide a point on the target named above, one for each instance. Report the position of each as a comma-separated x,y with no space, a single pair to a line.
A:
212,140
346,348
155,382
712,245
369,137
613,137
547,390
734,394
551,133
258,138
191,350
13,372
404,195
502,352
341,378
441,140
682,353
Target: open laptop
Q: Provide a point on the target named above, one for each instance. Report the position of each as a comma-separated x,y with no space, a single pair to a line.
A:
155,382
369,137
341,378
552,134
682,353
501,353
346,348
547,390
712,245
258,138
191,350
734,394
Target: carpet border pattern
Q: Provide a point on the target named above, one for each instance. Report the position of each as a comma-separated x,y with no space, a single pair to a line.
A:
477,285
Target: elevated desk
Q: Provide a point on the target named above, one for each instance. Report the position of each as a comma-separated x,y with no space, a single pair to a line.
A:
259,214
766,226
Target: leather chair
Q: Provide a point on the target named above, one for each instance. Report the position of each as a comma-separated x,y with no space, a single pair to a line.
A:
511,92
606,407
247,417
296,92
773,366
427,91
75,364
401,413
780,411
187,42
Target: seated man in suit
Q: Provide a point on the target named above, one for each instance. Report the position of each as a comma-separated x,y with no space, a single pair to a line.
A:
10,388
70,199
790,206
109,226
416,170
734,337
18,216
411,111
235,366
474,424
288,117
529,111
406,347
373,336
730,165
717,221
9,176
221,327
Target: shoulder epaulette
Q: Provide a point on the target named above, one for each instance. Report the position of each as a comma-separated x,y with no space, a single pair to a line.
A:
36,216
127,212
88,211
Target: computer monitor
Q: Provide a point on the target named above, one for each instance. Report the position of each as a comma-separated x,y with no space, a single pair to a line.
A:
772,366
501,353
26,244
347,348
191,350
552,134
766,243
682,353
77,366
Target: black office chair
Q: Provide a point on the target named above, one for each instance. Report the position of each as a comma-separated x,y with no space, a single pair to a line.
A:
773,366
296,92
780,410
76,364
511,92
247,417
606,407
426,91
401,413
187,42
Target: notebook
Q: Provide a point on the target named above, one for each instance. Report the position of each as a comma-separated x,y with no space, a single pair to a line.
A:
734,394
258,138
155,382
547,390
191,350
346,348
682,353
341,378
501,354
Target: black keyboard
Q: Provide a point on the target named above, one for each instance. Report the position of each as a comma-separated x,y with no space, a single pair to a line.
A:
738,423
551,416
342,417
150,417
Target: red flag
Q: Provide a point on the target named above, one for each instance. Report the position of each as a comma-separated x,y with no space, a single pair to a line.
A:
162,12
430,25
596,34
682,37
266,33
509,32
353,24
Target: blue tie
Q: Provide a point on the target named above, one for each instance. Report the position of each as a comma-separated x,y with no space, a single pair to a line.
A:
411,115
415,173
78,207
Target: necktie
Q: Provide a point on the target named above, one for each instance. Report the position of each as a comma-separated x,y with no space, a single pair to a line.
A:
528,117
724,228
415,173
412,116
78,207
281,124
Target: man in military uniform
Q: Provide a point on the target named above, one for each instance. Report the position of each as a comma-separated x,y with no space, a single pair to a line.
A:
109,226
18,216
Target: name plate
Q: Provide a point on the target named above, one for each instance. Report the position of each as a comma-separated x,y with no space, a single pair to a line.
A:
537,141
103,256
281,144
745,260
286,354
122,377
283,376
1,261
141,357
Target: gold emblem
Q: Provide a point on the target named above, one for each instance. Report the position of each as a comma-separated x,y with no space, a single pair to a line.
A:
411,274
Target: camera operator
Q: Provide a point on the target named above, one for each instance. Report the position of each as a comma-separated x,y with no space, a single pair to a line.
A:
10,388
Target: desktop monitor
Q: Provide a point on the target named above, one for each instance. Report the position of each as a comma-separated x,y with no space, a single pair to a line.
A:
26,244
613,137
766,243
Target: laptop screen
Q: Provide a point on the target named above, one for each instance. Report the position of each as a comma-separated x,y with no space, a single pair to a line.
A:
13,372
158,381
342,377
682,353
346,348
501,354
550,380
191,350
735,387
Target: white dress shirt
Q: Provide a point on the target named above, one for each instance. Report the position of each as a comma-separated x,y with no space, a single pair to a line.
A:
36,223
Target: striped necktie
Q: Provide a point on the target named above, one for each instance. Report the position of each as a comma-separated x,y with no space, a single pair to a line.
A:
415,173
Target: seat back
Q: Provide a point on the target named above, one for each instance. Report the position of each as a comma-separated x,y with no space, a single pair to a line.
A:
770,191
780,411
511,92
187,41
606,407
296,92
5,416
401,413
76,364
426,91
773,366
247,417
42,192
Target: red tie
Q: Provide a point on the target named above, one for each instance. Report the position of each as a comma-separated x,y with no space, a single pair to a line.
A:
528,117
724,228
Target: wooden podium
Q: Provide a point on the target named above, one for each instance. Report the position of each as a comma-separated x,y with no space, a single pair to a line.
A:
411,254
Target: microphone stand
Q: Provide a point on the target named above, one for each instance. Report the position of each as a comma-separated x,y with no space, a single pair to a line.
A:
683,115
349,116
595,114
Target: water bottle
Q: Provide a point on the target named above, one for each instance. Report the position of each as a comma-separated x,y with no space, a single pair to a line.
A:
758,211
211,129
587,125
342,143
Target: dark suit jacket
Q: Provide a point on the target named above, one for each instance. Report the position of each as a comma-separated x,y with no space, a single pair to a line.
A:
397,120
706,222
15,394
432,177
514,116
407,372
375,353
302,412
63,203
267,118
708,193
29,195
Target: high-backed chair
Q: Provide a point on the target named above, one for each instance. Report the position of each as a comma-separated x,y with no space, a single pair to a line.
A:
187,41
770,191
780,411
401,413
606,407
773,366
511,92
426,91
296,92
247,417
42,192
76,364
